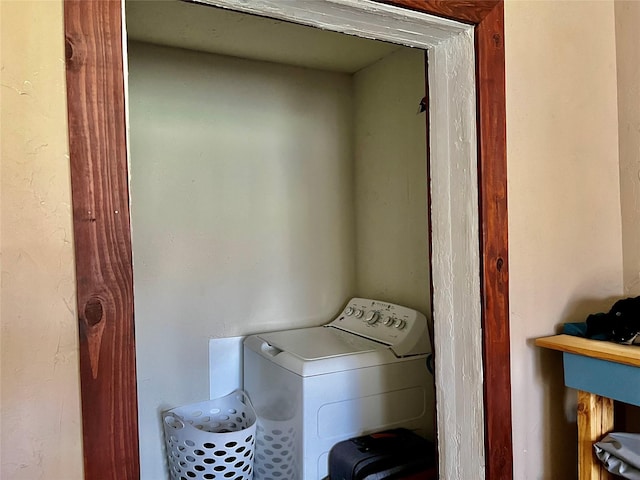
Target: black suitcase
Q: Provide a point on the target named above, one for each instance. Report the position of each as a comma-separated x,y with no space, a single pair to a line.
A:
392,454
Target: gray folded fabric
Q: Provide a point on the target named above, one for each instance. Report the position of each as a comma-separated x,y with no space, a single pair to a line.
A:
620,454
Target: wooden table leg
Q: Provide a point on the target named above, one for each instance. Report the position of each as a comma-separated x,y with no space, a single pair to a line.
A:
595,419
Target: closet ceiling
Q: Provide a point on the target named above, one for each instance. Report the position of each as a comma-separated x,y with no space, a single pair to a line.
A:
181,24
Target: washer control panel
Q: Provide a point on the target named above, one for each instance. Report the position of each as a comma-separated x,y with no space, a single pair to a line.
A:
403,329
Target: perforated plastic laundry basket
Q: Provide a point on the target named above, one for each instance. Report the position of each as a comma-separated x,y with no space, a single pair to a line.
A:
211,440
276,450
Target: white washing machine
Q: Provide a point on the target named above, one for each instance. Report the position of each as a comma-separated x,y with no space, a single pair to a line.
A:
312,387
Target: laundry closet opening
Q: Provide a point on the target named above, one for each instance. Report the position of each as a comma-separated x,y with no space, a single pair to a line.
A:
277,170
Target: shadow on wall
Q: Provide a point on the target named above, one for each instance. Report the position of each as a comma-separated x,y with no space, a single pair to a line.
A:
560,430
578,310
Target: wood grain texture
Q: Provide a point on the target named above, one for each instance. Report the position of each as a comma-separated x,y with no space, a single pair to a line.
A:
467,11
595,419
492,177
613,352
99,180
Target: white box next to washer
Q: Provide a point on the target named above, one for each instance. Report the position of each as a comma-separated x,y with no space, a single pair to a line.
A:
312,387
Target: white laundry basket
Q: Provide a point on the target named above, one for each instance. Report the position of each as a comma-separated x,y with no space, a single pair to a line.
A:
212,440
276,456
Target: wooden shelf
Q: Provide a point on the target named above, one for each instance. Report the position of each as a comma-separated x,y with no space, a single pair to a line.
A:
613,352
601,372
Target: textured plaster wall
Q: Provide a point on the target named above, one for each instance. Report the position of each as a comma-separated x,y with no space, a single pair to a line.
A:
628,62
40,415
564,208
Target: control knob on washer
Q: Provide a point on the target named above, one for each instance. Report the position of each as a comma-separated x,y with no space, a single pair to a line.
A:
400,324
358,313
372,317
349,311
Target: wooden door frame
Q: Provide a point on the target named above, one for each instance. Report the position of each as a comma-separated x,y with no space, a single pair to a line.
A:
104,271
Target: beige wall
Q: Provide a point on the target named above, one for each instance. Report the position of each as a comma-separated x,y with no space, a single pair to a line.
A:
390,177
628,63
628,66
565,228
564,208
40,416
242,212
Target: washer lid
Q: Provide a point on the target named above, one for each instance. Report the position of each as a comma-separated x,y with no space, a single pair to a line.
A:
320,350
317,343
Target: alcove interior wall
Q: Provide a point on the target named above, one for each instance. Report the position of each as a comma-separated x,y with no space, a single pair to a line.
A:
264,194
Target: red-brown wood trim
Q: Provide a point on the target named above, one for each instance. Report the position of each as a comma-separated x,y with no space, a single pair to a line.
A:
100,196
467,11
488,17
492,180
